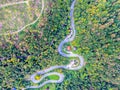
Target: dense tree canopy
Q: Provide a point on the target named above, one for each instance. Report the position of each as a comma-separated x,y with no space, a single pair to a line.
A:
98,40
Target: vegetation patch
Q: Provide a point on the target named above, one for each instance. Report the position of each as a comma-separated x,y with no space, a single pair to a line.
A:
53,77
97,40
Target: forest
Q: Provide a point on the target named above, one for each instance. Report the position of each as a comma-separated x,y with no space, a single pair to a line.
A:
97,24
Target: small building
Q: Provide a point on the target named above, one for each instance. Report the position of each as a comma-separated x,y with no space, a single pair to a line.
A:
68,48
74,48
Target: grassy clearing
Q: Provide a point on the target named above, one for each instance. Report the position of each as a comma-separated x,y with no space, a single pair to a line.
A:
53,77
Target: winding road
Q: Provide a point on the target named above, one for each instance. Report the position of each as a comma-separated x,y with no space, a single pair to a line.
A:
61,78
46,73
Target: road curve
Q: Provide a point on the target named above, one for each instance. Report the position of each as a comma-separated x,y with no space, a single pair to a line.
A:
14,3
27,24
69,38
61,78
